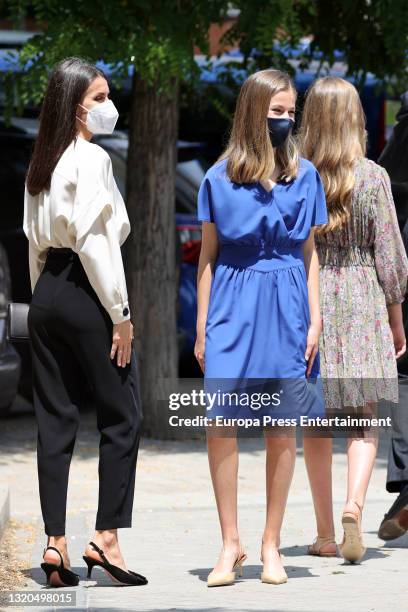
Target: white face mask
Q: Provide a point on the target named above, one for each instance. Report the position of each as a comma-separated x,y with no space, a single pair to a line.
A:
101,118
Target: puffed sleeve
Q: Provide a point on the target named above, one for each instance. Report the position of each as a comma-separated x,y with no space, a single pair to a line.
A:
96,189
319,208
204,202
389,252
100,226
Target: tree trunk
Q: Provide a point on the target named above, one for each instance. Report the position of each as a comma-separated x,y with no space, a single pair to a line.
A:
150,248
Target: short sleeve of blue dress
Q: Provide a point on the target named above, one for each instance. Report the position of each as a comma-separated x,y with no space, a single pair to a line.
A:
204,202
258,312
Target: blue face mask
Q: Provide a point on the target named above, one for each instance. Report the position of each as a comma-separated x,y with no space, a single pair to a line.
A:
279,130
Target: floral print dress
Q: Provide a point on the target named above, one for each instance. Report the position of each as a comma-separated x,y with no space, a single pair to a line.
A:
363,268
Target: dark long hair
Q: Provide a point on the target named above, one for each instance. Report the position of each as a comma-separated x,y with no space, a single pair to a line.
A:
68,83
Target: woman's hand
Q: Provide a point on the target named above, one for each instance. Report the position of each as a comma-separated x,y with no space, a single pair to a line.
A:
400,343
122,337
199,350
396,322
312,345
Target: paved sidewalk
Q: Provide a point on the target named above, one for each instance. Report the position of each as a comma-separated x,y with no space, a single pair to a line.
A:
175,538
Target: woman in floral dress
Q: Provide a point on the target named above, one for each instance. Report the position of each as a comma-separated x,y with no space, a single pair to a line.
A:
363,280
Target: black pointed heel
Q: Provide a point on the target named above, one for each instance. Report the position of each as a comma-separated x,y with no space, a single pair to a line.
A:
65,575
114,571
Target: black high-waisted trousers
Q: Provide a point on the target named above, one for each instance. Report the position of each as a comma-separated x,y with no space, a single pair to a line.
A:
70,339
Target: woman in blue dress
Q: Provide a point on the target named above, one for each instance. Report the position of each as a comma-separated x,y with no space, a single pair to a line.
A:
258,295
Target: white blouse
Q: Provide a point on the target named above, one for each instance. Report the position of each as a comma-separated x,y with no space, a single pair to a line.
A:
84,211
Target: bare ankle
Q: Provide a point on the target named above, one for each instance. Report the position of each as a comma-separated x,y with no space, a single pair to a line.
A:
326,534
108,537
57,541
355,503
231,541
270,541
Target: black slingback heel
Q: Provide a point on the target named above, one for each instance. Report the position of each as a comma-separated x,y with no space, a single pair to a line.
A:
66,576
125,577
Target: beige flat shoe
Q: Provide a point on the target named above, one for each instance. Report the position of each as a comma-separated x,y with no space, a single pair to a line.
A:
315,549
226,578
352,547
278,578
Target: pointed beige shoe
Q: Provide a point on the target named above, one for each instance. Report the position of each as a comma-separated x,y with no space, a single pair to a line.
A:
225,578
278,578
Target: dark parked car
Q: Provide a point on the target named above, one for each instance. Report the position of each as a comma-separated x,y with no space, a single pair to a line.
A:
10,363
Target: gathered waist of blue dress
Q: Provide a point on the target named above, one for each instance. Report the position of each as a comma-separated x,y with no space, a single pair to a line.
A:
263,257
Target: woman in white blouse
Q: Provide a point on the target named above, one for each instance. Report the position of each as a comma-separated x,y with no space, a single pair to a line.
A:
79,319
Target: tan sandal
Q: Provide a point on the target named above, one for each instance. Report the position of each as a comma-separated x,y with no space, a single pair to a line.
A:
352,547
315,549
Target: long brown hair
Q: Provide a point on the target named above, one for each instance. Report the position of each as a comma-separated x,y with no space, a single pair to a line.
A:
66,88
332,135
249,151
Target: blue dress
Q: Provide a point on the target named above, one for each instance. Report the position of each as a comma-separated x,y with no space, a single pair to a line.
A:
258,314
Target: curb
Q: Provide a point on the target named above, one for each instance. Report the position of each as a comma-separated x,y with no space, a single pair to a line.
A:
4,508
